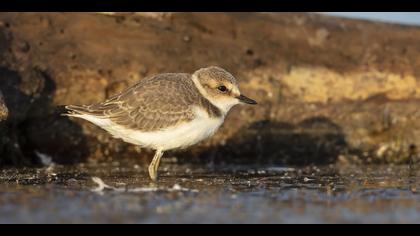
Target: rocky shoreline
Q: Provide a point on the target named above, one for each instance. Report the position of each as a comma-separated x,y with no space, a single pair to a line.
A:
330,90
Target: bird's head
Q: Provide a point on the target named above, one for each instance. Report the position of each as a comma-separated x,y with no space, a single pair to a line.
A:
219,87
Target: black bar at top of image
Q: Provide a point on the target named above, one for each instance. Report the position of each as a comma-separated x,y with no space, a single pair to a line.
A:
208,5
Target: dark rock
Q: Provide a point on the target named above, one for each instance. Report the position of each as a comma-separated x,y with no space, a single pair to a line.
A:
24,46
4,112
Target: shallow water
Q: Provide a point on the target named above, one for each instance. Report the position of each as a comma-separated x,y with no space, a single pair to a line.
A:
205,194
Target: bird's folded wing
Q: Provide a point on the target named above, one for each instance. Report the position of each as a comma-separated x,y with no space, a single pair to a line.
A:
151,105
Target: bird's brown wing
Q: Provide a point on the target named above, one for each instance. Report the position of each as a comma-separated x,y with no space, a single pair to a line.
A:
153,104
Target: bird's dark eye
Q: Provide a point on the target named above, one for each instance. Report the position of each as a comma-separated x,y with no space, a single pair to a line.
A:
222,88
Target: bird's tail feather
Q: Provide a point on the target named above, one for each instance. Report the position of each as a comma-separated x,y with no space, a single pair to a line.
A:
75,110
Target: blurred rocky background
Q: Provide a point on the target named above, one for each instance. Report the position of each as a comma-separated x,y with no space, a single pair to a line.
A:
330,90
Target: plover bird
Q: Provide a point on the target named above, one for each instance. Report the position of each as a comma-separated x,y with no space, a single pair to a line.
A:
167,111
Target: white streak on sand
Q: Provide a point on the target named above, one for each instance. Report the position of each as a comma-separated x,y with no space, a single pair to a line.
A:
103,186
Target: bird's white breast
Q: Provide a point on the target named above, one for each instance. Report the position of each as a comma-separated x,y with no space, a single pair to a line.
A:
181,136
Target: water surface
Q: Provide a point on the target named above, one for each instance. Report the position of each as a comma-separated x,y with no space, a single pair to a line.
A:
205,194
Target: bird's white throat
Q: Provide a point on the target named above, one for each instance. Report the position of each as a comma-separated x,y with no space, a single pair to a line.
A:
224,104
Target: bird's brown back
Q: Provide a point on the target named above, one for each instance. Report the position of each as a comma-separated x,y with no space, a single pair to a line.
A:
155,103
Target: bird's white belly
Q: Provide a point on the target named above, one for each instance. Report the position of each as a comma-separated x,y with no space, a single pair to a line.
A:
181,136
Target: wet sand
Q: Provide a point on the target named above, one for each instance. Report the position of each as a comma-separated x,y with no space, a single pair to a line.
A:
210,194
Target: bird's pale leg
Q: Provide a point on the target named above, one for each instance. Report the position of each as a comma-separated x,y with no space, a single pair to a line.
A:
154,165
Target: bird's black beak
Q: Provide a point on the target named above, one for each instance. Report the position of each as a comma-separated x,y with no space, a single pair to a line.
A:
246,100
